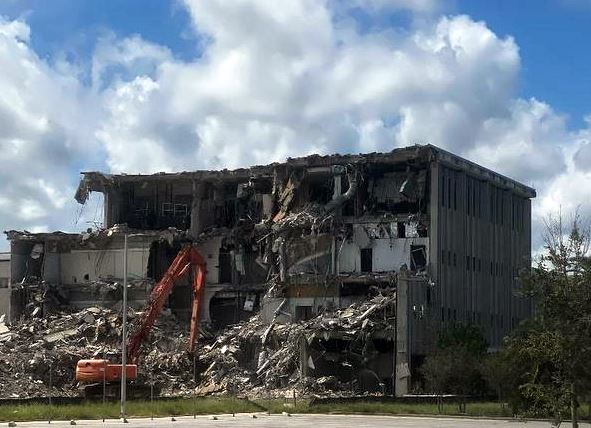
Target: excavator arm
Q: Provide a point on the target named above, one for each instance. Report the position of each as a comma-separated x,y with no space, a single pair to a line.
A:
187,258
97,370
199,273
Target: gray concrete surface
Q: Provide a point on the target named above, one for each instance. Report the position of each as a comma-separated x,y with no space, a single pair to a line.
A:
299,421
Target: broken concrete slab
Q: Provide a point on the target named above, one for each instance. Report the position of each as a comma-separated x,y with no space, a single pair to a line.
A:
60,335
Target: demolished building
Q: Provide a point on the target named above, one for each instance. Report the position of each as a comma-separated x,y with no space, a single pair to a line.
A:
4,281
369,255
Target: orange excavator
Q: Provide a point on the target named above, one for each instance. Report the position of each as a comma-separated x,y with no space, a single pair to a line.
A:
101,372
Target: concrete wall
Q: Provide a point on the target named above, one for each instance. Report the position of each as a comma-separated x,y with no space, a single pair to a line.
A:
480,237
5,302
388,254
78,269
210,250
80,266
20,253
4,269
4,282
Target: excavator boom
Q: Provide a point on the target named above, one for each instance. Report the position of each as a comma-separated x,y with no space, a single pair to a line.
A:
187,258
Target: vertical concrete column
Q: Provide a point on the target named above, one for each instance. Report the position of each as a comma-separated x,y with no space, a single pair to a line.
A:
196,223
111,207
334,269
434,228
402,354
208,294
303,357
338,190
337,186
107,215
282,260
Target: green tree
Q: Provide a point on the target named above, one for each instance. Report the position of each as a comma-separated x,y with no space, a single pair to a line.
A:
554,351
455,367
501,373
464,336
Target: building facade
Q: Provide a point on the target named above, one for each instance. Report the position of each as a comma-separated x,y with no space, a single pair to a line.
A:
4,281
302,238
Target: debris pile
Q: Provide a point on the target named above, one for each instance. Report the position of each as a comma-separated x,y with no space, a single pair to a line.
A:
253,358
40,296
257,359
37,353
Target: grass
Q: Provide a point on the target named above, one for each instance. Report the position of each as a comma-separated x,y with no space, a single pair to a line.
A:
93,410
472,409
490,409
210,405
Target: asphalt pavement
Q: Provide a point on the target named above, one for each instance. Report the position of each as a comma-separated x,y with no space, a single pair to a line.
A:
296,421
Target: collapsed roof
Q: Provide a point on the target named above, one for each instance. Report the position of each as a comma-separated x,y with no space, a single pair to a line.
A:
94,181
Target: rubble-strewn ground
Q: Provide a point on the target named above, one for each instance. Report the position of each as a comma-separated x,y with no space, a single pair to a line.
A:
34,348
233,366
251,358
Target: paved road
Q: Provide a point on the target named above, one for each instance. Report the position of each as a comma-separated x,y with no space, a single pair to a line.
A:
298,421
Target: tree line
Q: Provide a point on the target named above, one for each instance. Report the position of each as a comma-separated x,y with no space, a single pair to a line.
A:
544,366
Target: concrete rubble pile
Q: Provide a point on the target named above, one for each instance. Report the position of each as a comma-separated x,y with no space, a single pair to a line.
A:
41,296
258,359
36,352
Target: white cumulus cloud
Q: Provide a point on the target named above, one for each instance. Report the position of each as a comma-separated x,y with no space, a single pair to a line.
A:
277,79
46,121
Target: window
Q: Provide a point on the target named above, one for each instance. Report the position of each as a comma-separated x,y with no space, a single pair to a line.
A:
225,267
180,210
474,199
366,260
401,229
468,191
418,257
167,209
478,200
455,195
492,205
303,313
442,182
449,192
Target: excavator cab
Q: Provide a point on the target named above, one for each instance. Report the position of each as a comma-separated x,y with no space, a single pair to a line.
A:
87,370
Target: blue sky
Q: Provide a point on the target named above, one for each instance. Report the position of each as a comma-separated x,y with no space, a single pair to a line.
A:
552,36
70,25
142,86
